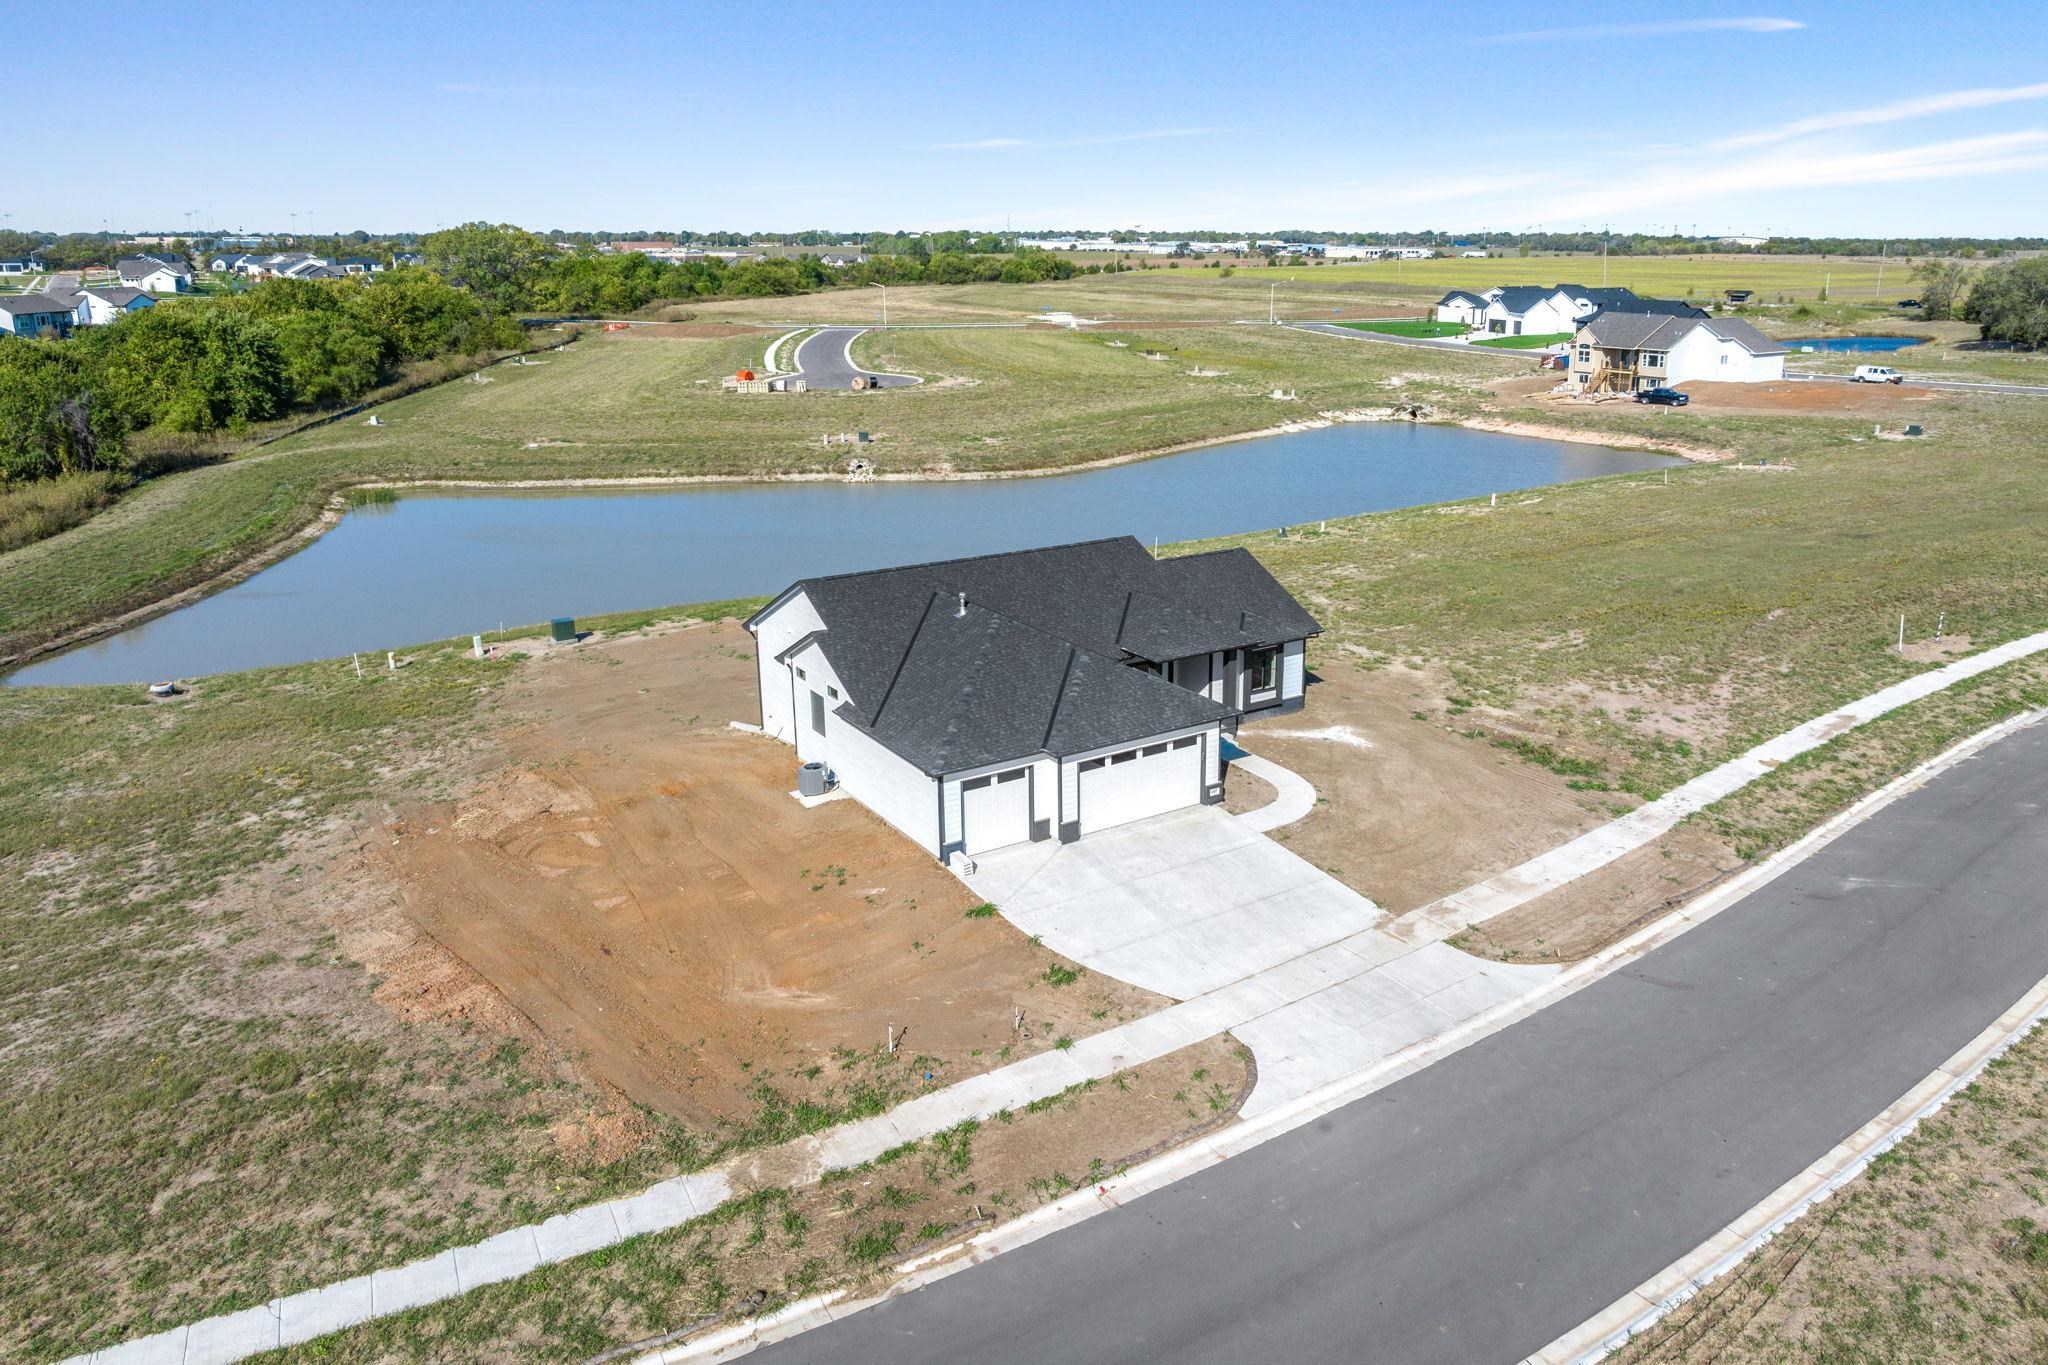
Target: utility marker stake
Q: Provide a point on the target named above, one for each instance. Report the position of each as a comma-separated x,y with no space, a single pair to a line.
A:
391,661
1940,623
1493,499
358,659
1902,632
476,646
892,1040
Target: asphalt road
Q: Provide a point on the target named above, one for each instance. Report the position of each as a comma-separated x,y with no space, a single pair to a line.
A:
1477,1210
824,362
1957,385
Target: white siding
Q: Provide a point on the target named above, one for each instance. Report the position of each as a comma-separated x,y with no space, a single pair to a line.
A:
782,627
1293,667
884,783
1702,355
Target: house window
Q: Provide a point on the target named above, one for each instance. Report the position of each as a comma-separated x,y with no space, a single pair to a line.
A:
1653,359
1261,671
1186,743
1724,360
1585,354
800,673
832,692
818,712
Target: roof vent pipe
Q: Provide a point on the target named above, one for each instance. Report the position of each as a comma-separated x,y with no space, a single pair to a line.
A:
963,605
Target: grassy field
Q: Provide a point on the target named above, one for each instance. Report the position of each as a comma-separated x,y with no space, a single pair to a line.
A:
1793,277
613,407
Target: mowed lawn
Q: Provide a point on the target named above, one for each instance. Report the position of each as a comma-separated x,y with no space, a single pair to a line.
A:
626,407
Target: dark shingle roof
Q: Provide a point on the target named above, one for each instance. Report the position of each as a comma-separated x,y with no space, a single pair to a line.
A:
1465,294
33,303
1039,662
1521,298
1744,335
1632,331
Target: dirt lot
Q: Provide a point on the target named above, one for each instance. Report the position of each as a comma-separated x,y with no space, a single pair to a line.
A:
1409,809
636,882
1877,401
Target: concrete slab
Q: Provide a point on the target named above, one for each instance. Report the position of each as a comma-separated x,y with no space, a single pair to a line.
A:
315,1313
165,1348
415,1285
218,1341
506,1256
576,1234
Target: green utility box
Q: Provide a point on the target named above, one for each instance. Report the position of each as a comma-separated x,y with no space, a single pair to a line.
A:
564,630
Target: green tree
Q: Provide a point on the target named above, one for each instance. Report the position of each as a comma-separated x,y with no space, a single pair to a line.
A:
498,263
329,357
50,421
2009,303
1941,287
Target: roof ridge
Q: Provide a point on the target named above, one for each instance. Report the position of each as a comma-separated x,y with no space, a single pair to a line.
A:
896,674
971,559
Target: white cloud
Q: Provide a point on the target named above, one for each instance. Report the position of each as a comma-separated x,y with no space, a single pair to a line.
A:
1992,154
1754,24
1924,106
1100,140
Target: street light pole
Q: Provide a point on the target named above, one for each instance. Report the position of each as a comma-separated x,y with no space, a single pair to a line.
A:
885,301
1272,303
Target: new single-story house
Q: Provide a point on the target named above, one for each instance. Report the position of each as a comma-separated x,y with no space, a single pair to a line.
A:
977,703
34,315
1462,306
1626,352
100,305
156,274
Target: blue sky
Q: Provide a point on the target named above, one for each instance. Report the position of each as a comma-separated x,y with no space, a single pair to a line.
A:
1780,119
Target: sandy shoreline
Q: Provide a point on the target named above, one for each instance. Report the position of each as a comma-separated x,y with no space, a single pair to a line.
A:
337,505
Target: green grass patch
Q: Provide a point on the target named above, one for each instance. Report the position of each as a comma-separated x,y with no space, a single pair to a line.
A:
1525,343
1399,327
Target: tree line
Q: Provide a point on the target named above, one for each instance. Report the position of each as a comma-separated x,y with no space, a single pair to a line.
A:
69,406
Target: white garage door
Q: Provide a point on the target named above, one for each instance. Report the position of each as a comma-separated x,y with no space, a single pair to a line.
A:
996,810
1150,780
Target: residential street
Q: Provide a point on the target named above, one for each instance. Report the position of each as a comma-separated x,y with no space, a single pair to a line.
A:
825,362
1475,1211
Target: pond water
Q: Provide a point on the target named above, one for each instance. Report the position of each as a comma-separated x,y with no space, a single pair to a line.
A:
436,564
1854,343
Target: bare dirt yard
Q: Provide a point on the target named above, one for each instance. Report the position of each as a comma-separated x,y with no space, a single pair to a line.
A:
1825,398
1409,809
635,880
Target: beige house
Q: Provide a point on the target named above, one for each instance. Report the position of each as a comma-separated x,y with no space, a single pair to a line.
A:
1629,352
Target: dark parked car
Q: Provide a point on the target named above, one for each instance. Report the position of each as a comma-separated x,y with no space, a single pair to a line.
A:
1907,303
1670,398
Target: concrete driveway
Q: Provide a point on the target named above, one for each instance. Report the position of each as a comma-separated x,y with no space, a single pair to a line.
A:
1182,904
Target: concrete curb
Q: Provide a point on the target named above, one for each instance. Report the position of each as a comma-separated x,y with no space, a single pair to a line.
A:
740,1339
775,348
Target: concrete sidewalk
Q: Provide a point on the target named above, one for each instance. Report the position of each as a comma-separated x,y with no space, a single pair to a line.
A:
1330,1011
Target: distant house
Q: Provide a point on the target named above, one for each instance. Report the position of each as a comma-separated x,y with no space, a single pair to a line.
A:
100,305
1037,695
34,315
1462,306
226,262
1618,352
1528,310
156,274
360,265
1552,310
19,266
399,258
289,265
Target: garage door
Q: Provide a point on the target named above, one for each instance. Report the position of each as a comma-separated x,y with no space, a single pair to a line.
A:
996,810
1149,780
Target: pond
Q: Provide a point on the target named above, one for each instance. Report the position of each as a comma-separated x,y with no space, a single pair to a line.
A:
442,563
1838,344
